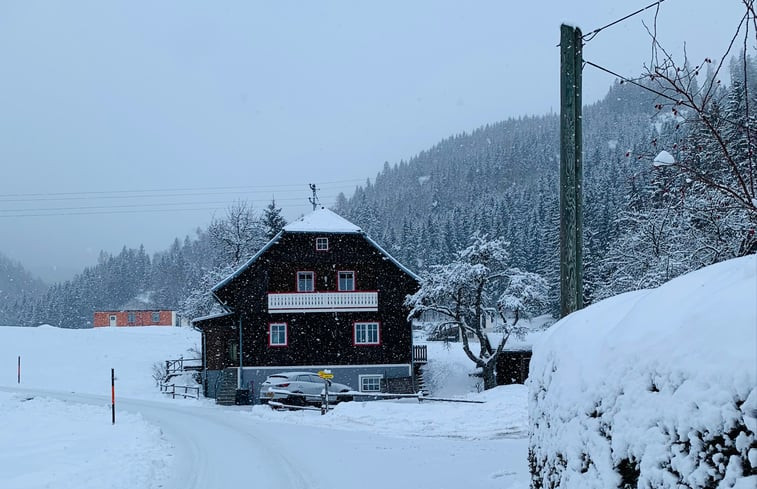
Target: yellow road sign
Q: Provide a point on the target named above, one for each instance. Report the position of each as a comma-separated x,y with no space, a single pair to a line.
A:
325,374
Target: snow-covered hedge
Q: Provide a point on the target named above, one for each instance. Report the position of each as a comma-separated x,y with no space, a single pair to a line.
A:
651,389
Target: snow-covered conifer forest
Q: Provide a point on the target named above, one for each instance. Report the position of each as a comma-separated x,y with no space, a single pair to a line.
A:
644,224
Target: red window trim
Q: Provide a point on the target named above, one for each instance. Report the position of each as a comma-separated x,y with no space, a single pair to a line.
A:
323,292
286,334
354,281
297,281
327,243
378,333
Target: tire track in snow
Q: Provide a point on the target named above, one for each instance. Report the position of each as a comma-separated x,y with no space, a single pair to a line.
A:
213,447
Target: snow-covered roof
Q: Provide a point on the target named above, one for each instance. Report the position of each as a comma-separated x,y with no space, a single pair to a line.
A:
322,220
211,316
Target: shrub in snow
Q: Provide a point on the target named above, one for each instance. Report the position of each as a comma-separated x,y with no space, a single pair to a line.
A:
651,389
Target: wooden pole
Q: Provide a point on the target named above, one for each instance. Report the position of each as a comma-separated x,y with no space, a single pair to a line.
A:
19,369
571,172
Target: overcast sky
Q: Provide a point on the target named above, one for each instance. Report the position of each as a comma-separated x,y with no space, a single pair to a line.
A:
173,109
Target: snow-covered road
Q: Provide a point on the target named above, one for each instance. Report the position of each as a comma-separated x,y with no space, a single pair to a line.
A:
215,447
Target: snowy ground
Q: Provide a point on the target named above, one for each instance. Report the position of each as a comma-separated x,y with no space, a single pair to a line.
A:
55,428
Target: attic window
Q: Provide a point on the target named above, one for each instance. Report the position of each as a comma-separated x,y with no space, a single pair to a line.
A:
321,244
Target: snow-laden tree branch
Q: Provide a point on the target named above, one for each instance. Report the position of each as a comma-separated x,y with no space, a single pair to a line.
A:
468,289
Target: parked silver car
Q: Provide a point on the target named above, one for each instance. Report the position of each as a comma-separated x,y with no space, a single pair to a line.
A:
295,383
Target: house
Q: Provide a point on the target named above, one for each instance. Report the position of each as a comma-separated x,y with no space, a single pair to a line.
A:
135,317
320,295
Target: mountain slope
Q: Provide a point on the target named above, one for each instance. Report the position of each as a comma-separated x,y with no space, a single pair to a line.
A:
17,286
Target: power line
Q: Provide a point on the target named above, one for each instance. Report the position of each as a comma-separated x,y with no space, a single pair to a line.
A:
640,85
145,211
263,188
591,35
154,196
150,207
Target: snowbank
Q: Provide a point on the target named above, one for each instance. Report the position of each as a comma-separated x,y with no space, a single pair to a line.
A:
652,388
79,360
503,415
51,443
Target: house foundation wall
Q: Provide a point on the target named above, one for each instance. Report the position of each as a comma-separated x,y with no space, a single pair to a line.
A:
253,377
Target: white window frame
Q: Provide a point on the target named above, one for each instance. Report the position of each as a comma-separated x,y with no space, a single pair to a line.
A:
153,315
339,280
312,276
270,334
367,341
369,376
321,244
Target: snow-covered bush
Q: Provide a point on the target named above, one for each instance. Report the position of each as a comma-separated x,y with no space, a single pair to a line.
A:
651,389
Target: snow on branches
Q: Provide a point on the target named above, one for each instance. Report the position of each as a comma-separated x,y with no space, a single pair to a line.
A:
468,289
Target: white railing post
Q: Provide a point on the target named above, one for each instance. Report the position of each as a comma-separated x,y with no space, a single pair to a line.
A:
323,301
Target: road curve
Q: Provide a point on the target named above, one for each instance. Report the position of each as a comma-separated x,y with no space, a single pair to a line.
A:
213,448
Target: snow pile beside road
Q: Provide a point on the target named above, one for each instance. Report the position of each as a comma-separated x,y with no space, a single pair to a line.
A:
653,388
502,415
79,360
51,443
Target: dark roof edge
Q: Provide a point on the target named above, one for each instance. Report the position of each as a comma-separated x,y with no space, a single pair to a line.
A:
393,259
211,316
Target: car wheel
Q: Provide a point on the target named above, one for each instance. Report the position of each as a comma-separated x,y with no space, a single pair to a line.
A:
344,398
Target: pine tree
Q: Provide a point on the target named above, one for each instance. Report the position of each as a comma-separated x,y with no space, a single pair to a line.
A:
272,220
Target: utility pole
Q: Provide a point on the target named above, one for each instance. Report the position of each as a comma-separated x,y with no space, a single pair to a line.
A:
571,172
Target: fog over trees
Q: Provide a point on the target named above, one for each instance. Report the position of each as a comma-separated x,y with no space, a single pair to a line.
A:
645,222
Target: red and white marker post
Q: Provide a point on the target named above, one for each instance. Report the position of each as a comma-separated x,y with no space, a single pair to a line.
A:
113,394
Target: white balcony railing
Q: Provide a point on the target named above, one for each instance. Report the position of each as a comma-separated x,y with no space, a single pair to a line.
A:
323,302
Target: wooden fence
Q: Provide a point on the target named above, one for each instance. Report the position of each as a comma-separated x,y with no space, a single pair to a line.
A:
184,391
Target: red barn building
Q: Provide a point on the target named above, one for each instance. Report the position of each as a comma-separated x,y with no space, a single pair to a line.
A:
135,318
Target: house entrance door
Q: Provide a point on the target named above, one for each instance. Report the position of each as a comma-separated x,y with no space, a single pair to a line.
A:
113,320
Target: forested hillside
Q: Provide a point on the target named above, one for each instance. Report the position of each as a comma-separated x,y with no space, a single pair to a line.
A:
502,180
16,287
646,220
178,278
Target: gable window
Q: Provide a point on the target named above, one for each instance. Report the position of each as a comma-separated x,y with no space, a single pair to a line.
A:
132,318
277,334
155,317
366,334
346,280
305,281
370,383
321,244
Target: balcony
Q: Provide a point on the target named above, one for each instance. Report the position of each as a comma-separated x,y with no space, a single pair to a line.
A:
323,302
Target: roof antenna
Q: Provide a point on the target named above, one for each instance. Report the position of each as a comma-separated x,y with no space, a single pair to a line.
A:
314,199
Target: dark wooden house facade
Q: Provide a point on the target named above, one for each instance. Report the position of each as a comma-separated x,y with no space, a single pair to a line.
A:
320,295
